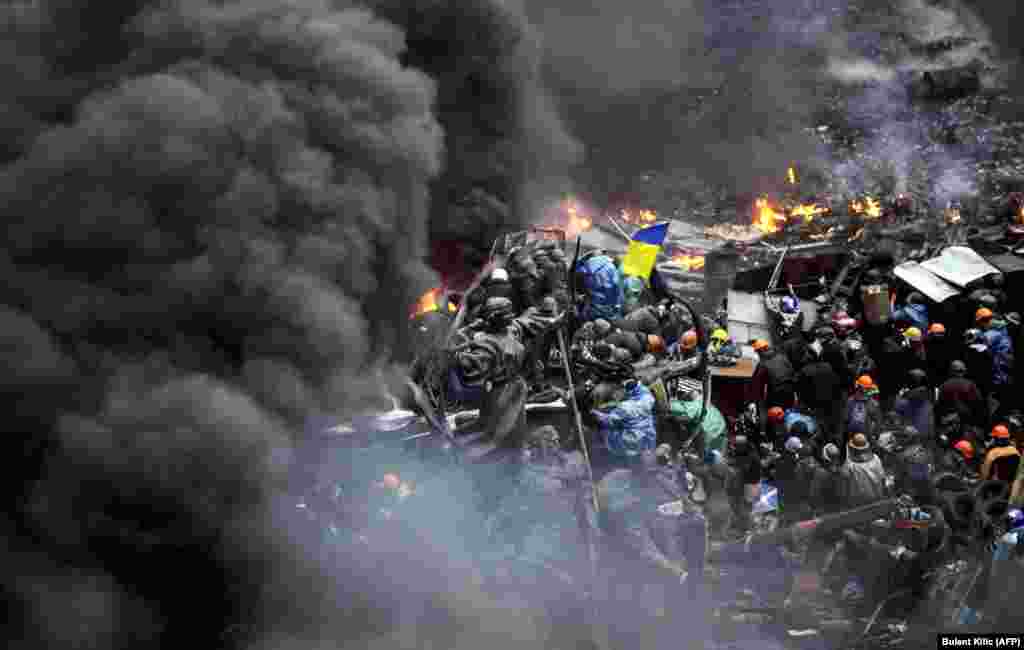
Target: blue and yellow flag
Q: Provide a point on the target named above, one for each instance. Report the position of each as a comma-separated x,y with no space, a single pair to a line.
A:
643,250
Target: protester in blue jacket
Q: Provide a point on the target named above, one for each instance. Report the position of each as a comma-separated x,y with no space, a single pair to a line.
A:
627,427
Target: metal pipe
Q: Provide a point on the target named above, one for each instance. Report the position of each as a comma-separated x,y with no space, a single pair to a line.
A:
576,413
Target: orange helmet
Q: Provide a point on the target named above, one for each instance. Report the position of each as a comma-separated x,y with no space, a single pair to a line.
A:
655,344
760,345
1000,432
983,314
936,328
690,340
776,414
965,448
865,381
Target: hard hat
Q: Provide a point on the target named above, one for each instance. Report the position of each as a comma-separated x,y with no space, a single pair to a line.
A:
794,444
1000,432
958,368
989,301
858,441
391,481
655,344
776,414
499,275
965,448
918,377
983,314
761,345
602,328
915,298
936,328
1014,518
690,340
865,381
720,335
790,305
912,334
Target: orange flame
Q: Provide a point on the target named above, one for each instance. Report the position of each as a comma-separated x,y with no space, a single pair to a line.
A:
807,211
642,218
869,207
428,303
689,262
791,176
766,219
1020,215
578,222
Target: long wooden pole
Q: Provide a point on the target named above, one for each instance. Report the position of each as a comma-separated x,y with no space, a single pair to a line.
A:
578,417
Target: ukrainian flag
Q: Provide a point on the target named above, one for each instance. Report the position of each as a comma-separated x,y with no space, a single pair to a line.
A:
643,250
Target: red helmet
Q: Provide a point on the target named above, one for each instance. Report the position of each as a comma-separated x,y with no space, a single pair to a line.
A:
776,414
965,448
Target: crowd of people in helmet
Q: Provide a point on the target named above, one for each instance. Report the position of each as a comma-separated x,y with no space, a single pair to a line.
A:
871,401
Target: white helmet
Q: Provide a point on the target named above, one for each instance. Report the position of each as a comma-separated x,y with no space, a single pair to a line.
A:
499,275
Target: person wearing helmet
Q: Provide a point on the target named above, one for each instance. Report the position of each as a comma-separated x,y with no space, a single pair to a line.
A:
960,395
821,388
998,340
979,360
916,405
537,329
939,350
861,477
487,369
790,305
960,459
1002,458
688,344
773,383
863,413
627,427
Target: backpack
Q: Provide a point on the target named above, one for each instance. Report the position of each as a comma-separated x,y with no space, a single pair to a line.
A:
857,416
602,288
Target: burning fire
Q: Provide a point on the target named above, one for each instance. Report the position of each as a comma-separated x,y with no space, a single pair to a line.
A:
791,176
578,222
428,303
869,207
643,218
689,262
807,211
1020,215
766,219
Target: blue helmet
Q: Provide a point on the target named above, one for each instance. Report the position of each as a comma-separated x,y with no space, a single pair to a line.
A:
790,304
1014,518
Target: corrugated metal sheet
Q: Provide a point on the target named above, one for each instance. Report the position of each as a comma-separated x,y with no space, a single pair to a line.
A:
748,318
925,281
959,265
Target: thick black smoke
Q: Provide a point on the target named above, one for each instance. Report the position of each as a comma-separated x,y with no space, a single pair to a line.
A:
215,218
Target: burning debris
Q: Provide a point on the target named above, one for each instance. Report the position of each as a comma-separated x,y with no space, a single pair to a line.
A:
867,207
641,218
431,302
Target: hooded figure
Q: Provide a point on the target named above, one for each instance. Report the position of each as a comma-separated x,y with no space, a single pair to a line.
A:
628,428
821,389
915,405
774,381
912,464
862,477
1002,458
914,312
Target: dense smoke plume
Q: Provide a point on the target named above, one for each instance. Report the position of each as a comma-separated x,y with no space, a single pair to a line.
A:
216,216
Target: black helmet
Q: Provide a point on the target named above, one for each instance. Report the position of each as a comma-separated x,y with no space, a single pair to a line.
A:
498,311
958,368
996,281
917,377
988,300
915,298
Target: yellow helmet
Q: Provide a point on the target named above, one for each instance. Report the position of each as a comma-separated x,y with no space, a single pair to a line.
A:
720,335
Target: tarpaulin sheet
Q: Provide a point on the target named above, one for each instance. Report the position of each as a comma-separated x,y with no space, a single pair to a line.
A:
925,281
959,265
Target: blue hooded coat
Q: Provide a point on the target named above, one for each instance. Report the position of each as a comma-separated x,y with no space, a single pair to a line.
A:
628,427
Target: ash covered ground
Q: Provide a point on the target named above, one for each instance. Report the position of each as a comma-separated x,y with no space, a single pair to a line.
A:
216,215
